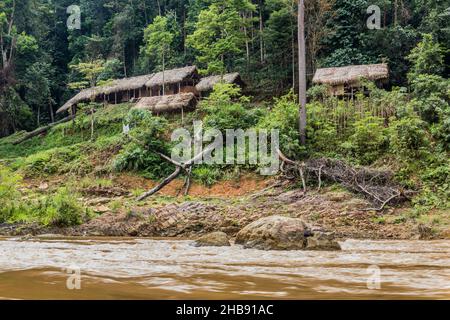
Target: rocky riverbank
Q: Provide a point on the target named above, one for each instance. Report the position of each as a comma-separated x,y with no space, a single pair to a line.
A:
333,210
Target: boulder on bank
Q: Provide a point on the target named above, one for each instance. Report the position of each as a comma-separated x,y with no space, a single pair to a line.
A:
274,233
214,239
284,233
322,241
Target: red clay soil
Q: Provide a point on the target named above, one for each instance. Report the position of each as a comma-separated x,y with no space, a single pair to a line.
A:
231,188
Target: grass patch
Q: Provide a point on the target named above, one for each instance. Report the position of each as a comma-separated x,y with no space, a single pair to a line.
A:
59,209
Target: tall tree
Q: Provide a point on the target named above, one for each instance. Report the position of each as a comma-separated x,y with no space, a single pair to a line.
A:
90,72
302,71
158,40
219,35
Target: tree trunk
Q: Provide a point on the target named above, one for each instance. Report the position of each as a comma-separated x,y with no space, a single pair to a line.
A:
124,62
50,110
159,7
261,40
92,123
164,74
39,116
302,71
247,44
395,12
293,57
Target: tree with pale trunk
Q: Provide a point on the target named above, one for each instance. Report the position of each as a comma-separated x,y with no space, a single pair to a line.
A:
158,41
302,71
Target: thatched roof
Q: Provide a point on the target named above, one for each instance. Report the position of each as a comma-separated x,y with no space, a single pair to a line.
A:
170,103
112,87
149,80
126,84
349,74
82,96
171,76
207,84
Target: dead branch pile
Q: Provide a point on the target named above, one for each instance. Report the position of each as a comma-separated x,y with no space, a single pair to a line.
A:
377,186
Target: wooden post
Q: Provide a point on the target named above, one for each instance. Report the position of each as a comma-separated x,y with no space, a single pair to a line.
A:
182,115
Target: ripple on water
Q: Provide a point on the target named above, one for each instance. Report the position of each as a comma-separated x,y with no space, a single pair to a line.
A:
176,269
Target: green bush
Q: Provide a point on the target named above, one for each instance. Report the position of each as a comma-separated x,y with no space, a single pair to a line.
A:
9,193
226,108
321,130
368,141
147,137
206,175
408,137
61,209
284,117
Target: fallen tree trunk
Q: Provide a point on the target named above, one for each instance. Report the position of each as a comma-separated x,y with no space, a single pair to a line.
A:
377,186
180,167
41,130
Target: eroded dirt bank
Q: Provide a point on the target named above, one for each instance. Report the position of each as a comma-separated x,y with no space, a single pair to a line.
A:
228,207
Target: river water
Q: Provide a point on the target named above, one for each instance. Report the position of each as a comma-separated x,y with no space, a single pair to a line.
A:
119,268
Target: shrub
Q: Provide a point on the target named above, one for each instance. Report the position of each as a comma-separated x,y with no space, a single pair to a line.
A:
9,193
147,138
368,140
321,130
206,175
284,117
61,209
226,108
408,137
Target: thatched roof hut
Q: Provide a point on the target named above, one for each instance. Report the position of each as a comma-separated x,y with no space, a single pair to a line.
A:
207,84
82,96
351,74
126,84
172,76
114,86
167,104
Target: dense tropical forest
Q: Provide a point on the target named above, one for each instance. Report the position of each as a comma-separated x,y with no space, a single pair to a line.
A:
39,51
403,127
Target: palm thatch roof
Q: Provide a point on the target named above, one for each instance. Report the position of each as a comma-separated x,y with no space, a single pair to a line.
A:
170,103
351,74
207,84
82,96
132,83
112,87
171,76
126,84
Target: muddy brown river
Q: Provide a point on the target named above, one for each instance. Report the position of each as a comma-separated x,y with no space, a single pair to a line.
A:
80,268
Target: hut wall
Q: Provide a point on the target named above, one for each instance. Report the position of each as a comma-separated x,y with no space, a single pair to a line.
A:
189,89
144,92
169,90
154,92
337,90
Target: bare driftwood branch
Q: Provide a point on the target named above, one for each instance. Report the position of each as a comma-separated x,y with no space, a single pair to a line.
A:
180,167
377,186
165,182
